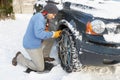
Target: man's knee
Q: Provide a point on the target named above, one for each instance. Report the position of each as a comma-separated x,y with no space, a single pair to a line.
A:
40,68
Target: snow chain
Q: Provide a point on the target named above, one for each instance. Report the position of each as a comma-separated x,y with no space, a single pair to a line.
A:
76,65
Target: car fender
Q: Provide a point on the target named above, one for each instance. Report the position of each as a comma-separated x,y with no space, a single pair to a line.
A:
70,26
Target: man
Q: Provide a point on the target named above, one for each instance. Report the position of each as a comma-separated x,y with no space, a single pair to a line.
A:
35,35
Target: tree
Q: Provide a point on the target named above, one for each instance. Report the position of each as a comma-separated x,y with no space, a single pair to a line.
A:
6,9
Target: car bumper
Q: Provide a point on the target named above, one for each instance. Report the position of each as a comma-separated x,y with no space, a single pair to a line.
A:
92,54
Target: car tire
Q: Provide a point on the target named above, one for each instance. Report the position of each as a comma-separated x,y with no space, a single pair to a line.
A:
67,52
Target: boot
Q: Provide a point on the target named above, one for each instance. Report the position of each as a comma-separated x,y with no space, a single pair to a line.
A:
28,70
14,60
49,59
48,66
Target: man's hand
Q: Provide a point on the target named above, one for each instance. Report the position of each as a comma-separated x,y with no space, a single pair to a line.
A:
57,34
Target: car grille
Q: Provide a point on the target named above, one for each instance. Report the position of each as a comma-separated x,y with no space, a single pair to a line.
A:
113,33
117,31
113,28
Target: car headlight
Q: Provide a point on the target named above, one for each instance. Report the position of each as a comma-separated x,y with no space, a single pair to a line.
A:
98,26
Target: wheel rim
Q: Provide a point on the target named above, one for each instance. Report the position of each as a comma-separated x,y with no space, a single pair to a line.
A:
66,56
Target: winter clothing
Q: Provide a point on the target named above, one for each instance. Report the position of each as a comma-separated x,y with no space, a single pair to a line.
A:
36,32
56,34
14,60
51,8
48,67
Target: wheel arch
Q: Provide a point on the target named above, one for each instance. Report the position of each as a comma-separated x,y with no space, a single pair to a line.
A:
65,24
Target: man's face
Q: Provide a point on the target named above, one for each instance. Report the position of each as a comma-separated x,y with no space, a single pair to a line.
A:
51,16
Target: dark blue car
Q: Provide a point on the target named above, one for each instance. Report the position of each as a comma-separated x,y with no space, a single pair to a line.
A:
86,39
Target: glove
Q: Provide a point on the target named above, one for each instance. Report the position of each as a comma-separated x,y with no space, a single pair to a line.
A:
56,34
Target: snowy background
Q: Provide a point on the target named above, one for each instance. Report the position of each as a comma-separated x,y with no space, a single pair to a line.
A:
11,35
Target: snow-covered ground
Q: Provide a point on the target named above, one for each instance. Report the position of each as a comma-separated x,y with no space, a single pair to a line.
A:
11,34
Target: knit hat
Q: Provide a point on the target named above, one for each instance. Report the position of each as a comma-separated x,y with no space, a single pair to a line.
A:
51,8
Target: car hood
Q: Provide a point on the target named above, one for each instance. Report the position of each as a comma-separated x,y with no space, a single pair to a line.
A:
98,8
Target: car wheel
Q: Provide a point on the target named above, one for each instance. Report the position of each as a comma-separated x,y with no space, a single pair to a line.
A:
67,52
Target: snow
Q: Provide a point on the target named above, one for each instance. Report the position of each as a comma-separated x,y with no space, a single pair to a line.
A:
11,34
112,38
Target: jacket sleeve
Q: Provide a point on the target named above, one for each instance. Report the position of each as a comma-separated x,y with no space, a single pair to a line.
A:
39,29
